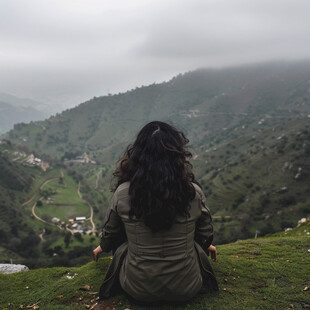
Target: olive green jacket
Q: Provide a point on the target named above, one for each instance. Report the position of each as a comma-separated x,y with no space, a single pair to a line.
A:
164,266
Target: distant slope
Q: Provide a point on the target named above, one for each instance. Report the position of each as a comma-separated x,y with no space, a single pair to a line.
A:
21,102
201,102
258,182
248,127
10,115
265,273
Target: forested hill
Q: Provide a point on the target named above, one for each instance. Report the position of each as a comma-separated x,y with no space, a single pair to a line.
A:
249,129
203,103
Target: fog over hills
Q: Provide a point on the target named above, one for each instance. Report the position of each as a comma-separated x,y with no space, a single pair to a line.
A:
203,103
15,110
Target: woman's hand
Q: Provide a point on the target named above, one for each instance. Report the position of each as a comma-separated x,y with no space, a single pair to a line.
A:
96,252
212,249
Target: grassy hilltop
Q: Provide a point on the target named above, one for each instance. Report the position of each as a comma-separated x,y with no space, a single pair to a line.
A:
264,273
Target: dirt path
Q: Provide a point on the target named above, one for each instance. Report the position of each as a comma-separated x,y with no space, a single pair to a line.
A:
48,181
97,179
28,201
78,190
91,219
35,204
63,177
91,210
41,186
34,213
41,235
59,226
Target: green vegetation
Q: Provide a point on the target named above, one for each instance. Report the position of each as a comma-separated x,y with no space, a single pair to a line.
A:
207,104
262,273
63,201
75,241
24,189
249,130
258,183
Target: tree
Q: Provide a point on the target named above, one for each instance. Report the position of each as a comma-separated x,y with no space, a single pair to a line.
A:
78,237
67,239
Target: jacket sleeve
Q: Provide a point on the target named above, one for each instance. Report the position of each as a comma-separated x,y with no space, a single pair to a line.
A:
113,232
204,227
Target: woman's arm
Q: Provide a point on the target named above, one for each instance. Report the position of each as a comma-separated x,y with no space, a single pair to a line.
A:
113,230
204,228
96,252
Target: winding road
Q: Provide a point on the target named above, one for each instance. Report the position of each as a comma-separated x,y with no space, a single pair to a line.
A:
91,219
41,198
35,204
97,179
34,213
91,210
28,201
78,190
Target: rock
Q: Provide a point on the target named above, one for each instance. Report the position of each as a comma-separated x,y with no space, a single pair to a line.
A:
12,268
282,190
302,221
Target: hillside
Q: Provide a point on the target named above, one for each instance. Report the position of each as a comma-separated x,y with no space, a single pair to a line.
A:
15,110
10,115
254,183
202,102
249,131
263,273
37,199
258,183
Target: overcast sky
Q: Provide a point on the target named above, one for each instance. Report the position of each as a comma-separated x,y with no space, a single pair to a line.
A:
67,51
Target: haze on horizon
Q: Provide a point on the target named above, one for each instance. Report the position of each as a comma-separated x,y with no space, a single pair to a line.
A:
65,52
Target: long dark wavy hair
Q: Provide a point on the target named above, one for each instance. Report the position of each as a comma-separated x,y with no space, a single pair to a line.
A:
160,175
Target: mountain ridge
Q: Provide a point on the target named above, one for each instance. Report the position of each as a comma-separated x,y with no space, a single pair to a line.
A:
204,100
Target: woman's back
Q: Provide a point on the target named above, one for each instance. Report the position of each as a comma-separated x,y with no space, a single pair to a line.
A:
162,265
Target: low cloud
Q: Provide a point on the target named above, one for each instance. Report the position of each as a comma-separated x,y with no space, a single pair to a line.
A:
69,51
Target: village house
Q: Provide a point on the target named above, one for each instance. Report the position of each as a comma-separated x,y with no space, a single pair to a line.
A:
80,218
33,161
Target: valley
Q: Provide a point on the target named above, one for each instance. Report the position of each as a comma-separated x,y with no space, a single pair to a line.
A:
50,208
249,132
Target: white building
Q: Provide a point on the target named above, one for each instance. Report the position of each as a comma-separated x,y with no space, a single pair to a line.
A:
80,218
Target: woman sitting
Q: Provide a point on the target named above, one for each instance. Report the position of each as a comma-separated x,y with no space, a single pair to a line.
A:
158,222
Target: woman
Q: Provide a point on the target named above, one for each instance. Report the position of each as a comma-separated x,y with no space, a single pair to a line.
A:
158,221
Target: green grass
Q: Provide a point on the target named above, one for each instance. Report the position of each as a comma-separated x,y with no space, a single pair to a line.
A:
66,202
263,273
74,242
